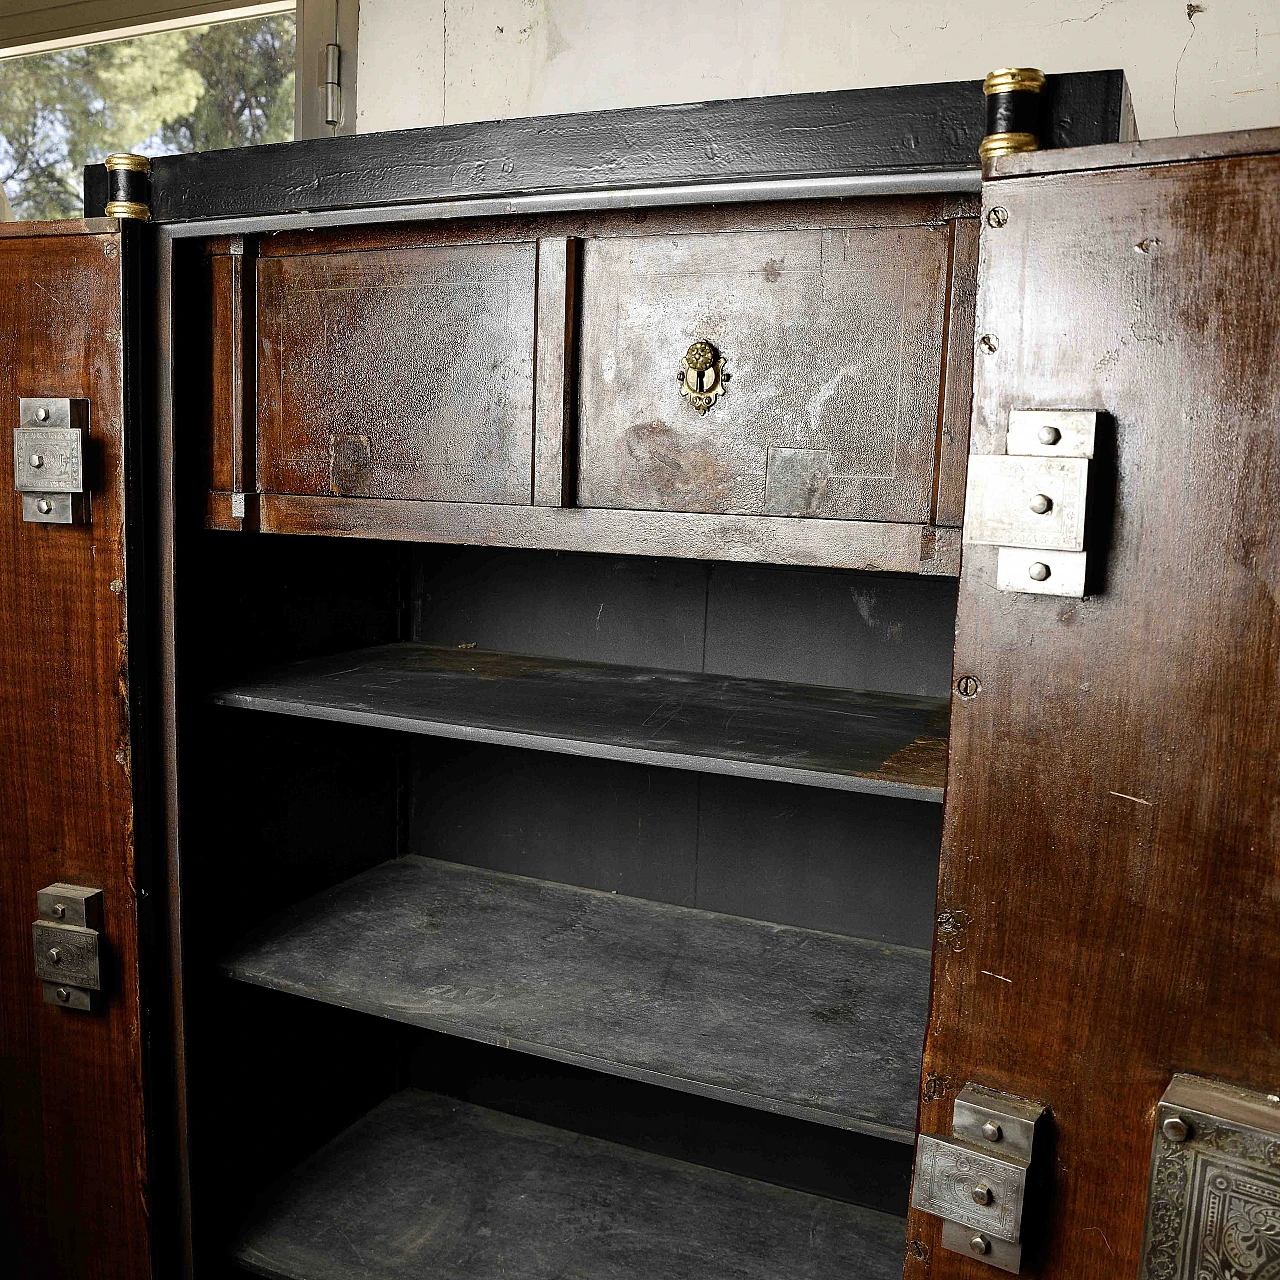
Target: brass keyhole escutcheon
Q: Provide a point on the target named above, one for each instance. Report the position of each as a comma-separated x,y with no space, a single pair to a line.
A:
702,374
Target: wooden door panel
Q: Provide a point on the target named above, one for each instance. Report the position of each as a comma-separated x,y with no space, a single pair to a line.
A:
1110,888
73,1177
398,373
833,343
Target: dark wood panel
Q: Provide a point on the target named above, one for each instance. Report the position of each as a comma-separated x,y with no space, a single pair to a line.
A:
844,544
787,1020
73,1181
957,396
848,740
901,129
832,338
428,1185
1109,878
402,373
554,446
230,465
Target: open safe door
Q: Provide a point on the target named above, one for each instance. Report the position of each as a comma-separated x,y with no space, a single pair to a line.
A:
73,1179
1109,896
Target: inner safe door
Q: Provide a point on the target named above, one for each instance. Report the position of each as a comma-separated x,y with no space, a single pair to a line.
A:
1107,903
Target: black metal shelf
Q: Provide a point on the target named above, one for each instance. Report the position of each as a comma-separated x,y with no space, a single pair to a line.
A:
794,1021
428,1186
848,740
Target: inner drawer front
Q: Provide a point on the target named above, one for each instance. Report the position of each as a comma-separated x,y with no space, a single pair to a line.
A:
833,343
402,373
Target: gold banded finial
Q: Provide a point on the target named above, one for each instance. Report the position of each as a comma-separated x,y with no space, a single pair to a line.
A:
128,186
1012,79
1013,112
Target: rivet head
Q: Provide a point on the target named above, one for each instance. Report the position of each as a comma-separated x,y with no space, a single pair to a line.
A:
1041,504
42,414
63,994
998,216
1038,572
992,1131
979,1244
981,1194
968,686
1176,1129
36,460
989,343
1048,435
59,911
44,506
55,956
116,585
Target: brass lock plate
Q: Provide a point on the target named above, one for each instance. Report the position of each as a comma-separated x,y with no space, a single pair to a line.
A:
1213,1206
702,375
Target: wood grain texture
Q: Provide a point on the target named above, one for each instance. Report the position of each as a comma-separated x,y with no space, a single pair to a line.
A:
1109,882
554,420
426,1185
906,129
846,740
230,464
404,373
957,394
73,1181
832,339
788,1020
840,544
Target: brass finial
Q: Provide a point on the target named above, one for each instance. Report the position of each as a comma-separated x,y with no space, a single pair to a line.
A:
128,186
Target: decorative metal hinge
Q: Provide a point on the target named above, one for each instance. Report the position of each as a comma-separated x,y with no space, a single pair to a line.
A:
1031,500
1214,1204
49,458
977,1180
66,944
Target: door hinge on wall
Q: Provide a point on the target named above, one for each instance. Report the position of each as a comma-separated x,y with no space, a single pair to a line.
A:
332,85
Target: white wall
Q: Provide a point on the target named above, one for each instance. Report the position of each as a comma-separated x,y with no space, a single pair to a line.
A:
427,62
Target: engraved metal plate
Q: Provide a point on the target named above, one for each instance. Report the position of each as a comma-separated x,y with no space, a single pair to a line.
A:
1052,433
66,954
1044,573
48,460
947,1172
1026,502
1213,1209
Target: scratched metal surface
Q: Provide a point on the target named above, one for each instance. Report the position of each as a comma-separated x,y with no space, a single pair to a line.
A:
428,1186
832,338
788,1020
850,740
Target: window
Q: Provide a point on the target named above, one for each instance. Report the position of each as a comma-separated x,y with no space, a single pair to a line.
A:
198,88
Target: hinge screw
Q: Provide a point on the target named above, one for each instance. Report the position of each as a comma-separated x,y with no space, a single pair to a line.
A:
1048,435
1041,504
1176,1129
968,686
979,1245
1038,571
59,911
63,994
42,414
989,343
55,956
998,216
992,1131
44,506
37,461
981,1194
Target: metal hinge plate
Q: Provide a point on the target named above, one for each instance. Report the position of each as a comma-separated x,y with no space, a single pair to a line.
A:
66,941
49,458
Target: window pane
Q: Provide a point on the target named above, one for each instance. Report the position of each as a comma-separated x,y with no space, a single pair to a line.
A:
229,84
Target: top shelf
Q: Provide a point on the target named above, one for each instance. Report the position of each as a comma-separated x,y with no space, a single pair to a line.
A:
846,740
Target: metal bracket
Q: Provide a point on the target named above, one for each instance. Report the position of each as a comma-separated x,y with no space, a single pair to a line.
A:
49,459
1213,1208
977,1179
1031,500
65,938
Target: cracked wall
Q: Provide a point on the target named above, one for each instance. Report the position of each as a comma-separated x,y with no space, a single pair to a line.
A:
1193,68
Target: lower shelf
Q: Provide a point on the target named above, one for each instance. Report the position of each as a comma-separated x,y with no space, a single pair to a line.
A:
426,1186
794,1021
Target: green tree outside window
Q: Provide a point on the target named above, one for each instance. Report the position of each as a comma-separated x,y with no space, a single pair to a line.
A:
199,89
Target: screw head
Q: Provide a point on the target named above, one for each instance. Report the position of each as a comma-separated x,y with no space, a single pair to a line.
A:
992,1131
981,1194
968,686
979,1244
42,414
55,955
63,994
1176,1129
1041,504
989,343
44,506
1048,435
36,460
998,216
1038,571
59,911
116,585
